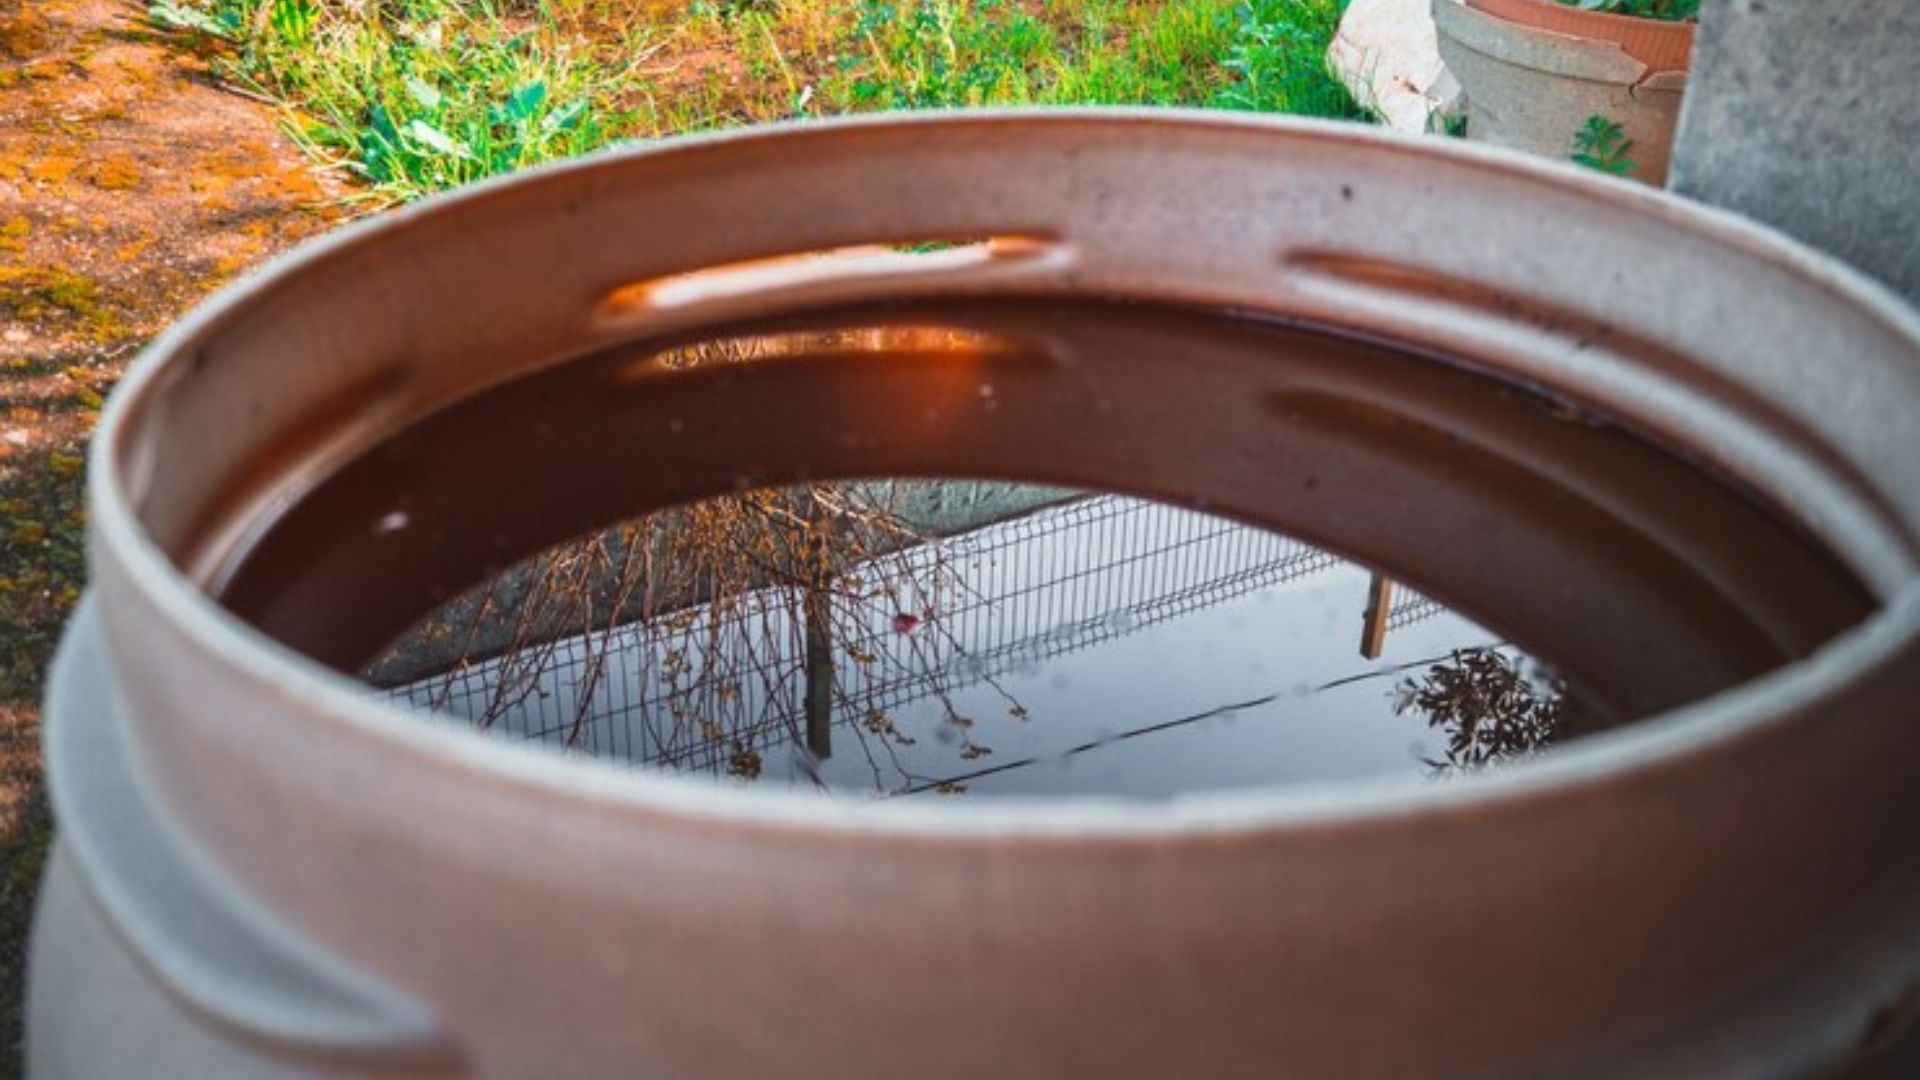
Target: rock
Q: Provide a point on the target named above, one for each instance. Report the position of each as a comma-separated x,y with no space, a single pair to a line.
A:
1387,54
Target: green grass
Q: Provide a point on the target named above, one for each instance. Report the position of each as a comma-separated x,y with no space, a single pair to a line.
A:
417,96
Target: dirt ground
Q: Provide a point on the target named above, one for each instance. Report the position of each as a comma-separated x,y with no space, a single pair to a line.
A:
130,187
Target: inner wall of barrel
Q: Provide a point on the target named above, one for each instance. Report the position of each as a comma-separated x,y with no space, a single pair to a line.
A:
1647,579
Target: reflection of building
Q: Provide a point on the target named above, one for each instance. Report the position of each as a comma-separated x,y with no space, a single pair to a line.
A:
995,600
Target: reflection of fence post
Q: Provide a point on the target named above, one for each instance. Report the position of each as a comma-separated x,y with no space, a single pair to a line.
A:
818,614
1373,624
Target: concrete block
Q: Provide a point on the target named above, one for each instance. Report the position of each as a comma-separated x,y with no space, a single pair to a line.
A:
1804,114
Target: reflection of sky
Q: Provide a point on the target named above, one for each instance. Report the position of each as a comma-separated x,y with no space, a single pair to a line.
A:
1287,639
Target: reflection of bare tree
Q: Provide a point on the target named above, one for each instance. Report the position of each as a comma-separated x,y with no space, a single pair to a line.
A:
728,584
759,604
1490,706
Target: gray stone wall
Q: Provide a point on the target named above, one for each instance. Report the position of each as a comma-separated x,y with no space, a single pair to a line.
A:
1805,114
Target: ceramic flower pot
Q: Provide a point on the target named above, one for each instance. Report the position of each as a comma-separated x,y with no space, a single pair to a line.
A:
1534,72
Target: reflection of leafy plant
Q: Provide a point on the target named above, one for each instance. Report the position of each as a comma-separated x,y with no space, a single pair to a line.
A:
1663,10
1488,706
1603,144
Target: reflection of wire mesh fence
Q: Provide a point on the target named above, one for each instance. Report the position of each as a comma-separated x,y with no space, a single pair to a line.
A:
1410,607
995,600
1030,596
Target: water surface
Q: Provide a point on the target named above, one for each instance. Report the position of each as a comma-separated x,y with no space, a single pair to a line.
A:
995,546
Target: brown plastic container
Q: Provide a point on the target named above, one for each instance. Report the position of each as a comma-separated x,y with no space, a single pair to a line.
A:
264,869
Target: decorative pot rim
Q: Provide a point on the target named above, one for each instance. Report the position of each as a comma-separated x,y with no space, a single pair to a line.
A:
1661,44
1677,26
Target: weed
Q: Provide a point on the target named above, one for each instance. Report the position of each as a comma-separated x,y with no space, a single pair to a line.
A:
222,22
1603,144
939,53
414,96
1277,58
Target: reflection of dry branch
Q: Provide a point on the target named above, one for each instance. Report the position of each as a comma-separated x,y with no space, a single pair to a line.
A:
1490,708
759,598
726,585
799,561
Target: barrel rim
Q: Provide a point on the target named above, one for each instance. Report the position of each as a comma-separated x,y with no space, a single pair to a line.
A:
331,697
